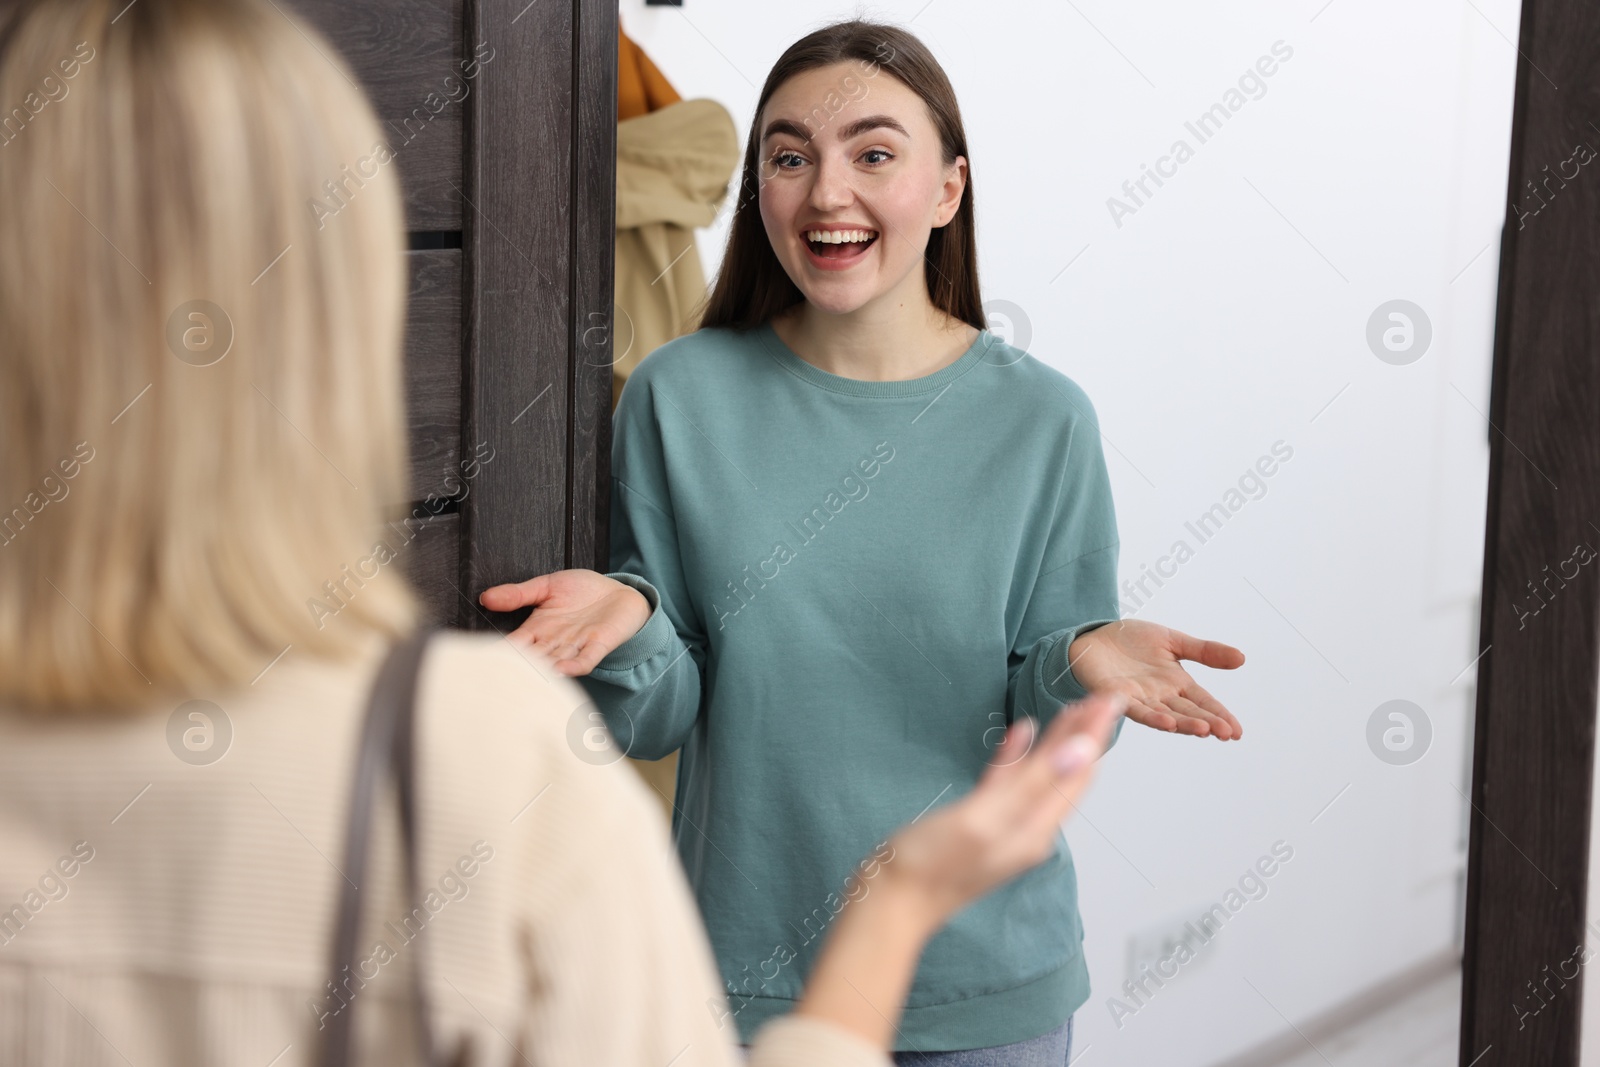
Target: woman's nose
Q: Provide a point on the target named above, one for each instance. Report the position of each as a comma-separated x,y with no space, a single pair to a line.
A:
832,188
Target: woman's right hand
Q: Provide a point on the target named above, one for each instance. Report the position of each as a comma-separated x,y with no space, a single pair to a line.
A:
1010,821
578,615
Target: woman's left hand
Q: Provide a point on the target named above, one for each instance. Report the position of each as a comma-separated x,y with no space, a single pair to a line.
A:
1140,659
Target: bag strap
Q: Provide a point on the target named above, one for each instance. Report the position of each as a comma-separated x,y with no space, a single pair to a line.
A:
387,744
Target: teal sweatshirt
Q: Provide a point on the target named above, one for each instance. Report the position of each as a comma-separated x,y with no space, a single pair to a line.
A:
855,586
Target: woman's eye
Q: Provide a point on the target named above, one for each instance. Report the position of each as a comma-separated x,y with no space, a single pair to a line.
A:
783,154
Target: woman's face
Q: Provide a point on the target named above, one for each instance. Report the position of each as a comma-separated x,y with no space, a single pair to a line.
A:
850,147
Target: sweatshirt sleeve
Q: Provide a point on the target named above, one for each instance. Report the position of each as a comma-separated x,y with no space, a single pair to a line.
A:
1076,588
648,688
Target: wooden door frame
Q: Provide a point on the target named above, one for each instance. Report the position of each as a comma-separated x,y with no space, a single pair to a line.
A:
539,237
1533,749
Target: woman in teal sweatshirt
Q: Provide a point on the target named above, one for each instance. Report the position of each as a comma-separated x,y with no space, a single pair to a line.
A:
854,535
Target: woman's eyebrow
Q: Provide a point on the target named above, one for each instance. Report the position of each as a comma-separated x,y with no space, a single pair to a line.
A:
847,131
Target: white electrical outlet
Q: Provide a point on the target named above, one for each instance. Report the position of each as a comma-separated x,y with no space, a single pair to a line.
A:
1158,947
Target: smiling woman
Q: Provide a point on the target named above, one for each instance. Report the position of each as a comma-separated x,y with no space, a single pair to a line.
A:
847,309
900,167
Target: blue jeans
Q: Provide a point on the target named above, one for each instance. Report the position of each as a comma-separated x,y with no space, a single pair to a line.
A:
1047,1050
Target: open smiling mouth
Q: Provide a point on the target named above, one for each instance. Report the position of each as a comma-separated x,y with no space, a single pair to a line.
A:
841,246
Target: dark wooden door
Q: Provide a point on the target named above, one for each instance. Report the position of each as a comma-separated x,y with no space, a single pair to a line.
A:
501,115
1533,753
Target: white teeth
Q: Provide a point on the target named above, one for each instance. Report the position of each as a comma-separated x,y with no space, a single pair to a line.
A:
836,237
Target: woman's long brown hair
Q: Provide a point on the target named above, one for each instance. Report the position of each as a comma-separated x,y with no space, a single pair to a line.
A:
751,285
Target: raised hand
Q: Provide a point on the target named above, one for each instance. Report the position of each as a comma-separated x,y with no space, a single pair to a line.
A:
1140,660
578,615
1009,822
943,861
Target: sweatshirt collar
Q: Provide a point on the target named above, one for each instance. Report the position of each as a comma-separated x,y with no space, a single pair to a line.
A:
786,358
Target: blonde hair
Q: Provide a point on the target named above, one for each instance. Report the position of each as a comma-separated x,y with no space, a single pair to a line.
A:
172,504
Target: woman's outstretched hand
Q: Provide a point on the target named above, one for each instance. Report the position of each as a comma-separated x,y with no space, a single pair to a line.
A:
945,860
1140,660
1009,822
578,615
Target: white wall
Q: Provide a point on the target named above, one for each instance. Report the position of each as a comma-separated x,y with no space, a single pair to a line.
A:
1229,312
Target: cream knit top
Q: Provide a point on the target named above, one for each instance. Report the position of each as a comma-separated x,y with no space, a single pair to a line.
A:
163,911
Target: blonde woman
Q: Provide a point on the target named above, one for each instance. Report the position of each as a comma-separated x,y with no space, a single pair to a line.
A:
201,423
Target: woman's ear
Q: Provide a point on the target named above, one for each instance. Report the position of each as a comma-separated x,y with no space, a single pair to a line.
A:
955,187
